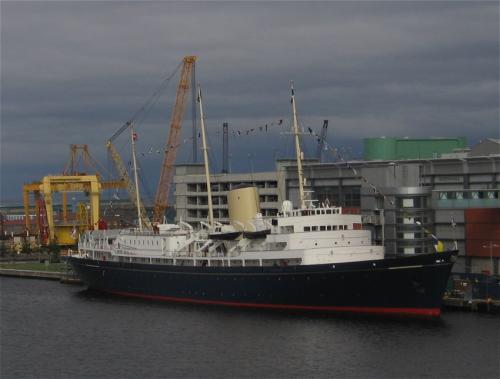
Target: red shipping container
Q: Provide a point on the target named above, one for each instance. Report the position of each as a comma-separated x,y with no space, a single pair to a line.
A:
475,248
483,231
482,215
482,228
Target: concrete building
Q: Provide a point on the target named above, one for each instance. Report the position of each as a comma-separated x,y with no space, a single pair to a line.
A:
191,199
404,202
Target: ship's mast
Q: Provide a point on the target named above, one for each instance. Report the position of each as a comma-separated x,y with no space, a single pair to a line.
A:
298,151
133,137
205,158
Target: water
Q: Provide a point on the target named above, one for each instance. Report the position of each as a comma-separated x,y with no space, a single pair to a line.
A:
50,330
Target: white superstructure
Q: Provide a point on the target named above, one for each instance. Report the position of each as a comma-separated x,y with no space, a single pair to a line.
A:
298,237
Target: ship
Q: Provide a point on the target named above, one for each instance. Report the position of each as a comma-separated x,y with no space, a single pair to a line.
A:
310,258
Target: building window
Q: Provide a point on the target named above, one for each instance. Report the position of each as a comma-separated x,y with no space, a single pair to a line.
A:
408,220
408,203
314,228
409,236
322,228
307,228
272,184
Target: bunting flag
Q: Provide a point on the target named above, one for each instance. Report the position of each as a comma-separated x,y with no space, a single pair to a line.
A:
279,122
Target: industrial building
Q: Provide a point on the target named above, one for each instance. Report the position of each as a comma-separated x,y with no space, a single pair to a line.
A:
383,148
404,201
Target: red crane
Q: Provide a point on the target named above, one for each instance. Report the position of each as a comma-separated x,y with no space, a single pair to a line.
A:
167,169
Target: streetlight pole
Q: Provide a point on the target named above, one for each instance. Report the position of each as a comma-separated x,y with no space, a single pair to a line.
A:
491,245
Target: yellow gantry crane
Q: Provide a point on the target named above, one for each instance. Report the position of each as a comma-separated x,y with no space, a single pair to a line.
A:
65,230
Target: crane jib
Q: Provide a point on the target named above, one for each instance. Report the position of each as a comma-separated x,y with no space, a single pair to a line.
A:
167,170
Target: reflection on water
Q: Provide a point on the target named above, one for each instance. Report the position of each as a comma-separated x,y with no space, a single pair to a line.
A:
61,331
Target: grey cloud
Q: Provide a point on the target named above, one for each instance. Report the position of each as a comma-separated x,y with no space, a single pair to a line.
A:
73,72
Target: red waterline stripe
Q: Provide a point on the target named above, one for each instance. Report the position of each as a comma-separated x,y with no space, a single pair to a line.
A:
428,312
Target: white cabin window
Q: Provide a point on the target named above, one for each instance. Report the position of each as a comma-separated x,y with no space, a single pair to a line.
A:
314,228
322,228
307,228
329,227
328,211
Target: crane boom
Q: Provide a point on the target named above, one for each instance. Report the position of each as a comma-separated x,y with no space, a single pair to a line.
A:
167,170
122,171
322,140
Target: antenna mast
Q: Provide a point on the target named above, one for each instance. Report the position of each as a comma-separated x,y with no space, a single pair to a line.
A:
298,151
205,158
133,137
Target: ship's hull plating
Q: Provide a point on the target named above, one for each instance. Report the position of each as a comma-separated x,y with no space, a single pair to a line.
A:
411,285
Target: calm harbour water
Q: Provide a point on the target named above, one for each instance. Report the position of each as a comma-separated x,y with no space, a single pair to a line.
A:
50,330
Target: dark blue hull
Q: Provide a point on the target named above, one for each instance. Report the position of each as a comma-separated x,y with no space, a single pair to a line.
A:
411,285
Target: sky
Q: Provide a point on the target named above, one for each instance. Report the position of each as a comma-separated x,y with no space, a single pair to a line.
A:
72,72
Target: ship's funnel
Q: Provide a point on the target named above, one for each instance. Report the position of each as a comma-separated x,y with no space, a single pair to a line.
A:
243,203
